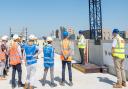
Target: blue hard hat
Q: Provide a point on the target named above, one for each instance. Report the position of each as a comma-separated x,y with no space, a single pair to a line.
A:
65,33
115,31
80,32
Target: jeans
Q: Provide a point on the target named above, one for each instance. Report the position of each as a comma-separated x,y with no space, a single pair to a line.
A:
19,70
69,70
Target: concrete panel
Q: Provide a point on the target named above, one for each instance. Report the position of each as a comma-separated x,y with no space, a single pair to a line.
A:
101,55
95,53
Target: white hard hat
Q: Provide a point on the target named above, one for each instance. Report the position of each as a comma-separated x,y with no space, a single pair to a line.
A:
15,36
36,38
49,39
31,37
23,38
4,37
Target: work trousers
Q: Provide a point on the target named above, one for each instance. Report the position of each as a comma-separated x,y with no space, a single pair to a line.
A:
69,70
120,71
2,66
81,50
31,72
51,74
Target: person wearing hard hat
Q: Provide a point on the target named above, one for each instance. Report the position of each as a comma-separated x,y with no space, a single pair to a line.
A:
118,54
15,56
66,57
81,46
3,56
48,51
44,41
31,53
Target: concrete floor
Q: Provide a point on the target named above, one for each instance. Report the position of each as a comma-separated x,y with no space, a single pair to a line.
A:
80,80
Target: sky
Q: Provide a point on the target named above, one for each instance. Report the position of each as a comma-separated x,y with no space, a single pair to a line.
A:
43,16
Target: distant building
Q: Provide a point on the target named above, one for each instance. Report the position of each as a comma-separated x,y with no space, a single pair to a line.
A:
106,34
71,33
126,34
122,34
57,33
86,34
62,29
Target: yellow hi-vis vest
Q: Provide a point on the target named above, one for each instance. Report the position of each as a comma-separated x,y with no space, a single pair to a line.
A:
119,50
80,43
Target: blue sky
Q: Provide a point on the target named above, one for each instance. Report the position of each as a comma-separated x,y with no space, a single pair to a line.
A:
43,16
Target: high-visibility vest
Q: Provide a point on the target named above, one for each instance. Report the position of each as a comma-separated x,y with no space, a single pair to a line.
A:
30,51
14,56
119,50
65,46
80,43
2,55
48,56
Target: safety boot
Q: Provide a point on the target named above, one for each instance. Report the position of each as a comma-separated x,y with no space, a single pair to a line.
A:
20,85
117,85
70,83
53,84
25,86
31,87
124,84
62,83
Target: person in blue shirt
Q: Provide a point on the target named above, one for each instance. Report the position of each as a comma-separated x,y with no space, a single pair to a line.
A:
31,52
48,51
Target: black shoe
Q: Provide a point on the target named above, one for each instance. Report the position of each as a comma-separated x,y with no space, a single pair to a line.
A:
70,83
43,83
13,86
62,83
53,85
21,85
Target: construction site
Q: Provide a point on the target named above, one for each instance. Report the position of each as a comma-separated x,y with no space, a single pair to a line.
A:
98,71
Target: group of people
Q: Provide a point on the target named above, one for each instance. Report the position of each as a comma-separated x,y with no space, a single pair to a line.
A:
19,52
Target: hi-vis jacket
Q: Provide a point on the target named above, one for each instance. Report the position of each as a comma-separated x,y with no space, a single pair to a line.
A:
119,50
81,42
2,52
66,50
30,52
15,54
48,51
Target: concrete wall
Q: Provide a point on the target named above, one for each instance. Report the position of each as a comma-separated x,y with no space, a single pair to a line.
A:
101,55
95,53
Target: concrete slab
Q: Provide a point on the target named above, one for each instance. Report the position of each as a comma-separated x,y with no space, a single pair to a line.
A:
80,80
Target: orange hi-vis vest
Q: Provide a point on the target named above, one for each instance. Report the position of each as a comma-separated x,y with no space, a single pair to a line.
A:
14,55
65,49
2,55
